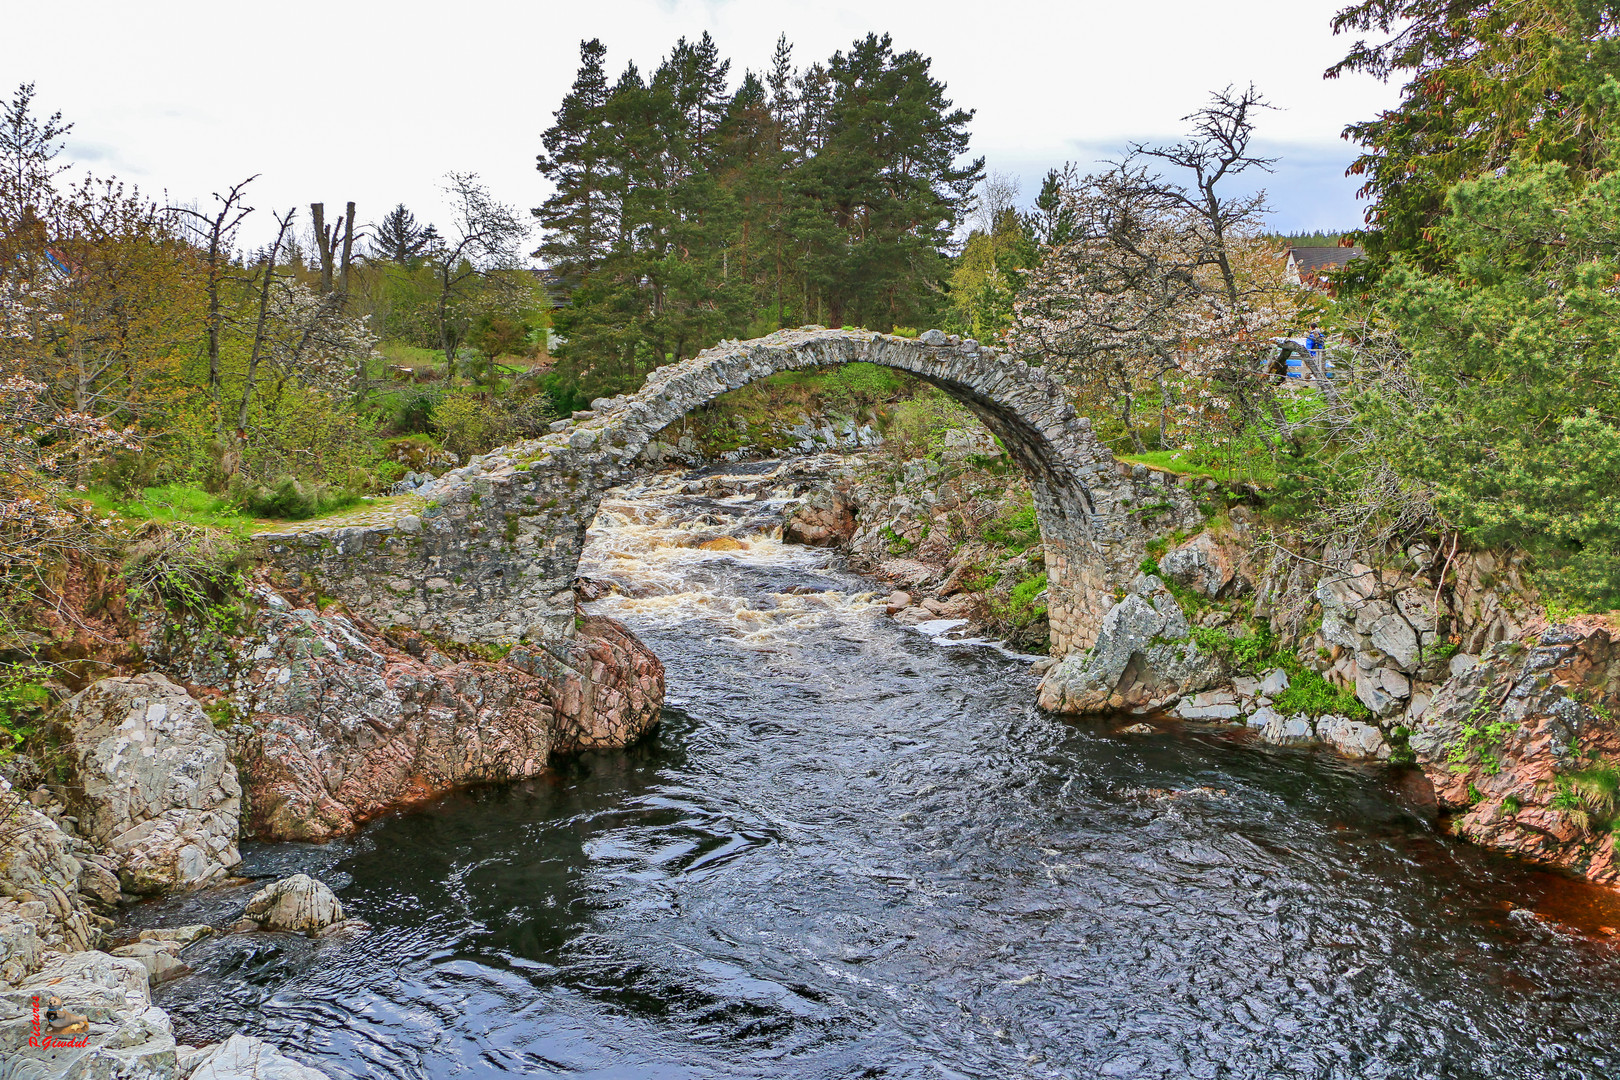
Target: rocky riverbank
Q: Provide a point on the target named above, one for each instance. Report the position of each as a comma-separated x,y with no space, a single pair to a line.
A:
1436,659
75,997
275,717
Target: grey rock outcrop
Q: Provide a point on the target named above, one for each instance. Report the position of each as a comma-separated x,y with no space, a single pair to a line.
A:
1144,659
1206,565
1382,628
41,908
298,904
128,1039
153,782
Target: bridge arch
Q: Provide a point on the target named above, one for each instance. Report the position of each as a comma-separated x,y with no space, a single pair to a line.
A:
489,552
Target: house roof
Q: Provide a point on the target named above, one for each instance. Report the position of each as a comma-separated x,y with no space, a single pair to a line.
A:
1315,260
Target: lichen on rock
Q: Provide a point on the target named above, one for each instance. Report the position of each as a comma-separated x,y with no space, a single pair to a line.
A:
152,782
1144,659
1524,748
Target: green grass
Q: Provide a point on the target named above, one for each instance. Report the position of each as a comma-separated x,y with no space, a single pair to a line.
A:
172,503
417,359
1254,470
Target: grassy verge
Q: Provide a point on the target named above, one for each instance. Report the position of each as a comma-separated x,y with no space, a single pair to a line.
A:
1253,469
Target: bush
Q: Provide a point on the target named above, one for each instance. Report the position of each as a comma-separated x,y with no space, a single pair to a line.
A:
183,568
293,499
23,700
918,427
411,411
1258,652
468,425
1015,529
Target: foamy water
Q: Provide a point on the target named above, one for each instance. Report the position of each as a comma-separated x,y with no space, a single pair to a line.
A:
672,557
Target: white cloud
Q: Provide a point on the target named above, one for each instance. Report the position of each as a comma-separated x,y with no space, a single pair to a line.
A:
374,101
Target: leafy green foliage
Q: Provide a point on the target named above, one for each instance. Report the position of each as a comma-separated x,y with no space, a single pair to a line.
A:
469,425
1478,740
1014,529
23,700
1259,651
683,214
1517,353
295,500
187,569
1531,78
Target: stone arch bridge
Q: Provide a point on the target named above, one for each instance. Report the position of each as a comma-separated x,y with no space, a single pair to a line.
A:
489,552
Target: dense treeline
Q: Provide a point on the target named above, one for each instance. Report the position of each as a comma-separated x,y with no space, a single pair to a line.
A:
685,212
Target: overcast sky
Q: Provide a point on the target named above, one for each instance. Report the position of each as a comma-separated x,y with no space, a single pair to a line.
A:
374,101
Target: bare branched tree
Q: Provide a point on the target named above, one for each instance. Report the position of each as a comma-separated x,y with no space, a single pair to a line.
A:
215,236
996,194
1165,275
484,248
1218,149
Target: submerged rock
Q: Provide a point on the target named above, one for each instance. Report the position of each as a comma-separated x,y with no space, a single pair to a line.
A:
153,781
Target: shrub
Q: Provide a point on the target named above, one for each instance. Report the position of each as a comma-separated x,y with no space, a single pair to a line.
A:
184,568
1258,651
294,499
468,425
1015,529
23,700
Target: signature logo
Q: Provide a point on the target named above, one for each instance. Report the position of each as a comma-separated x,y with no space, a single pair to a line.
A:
37,1038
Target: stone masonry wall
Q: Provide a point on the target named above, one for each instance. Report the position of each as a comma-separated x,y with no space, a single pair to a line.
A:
489,552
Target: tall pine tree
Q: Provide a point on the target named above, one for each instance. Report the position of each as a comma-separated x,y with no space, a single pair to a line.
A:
684,213
578,218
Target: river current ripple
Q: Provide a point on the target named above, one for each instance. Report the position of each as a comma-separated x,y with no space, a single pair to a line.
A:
852,851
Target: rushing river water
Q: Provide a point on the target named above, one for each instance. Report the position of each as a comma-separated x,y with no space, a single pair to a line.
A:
853,851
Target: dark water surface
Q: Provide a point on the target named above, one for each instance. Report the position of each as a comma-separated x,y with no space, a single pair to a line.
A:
852,852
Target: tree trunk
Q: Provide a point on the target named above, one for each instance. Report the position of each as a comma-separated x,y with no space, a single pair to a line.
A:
348,251
256,354
317,211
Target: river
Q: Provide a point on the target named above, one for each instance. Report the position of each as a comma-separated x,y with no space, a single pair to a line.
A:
853,850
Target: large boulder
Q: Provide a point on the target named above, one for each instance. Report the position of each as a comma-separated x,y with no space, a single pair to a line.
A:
824,518
1524,748
41,907
1206,565
153,782
342,723
298,904
1144,659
